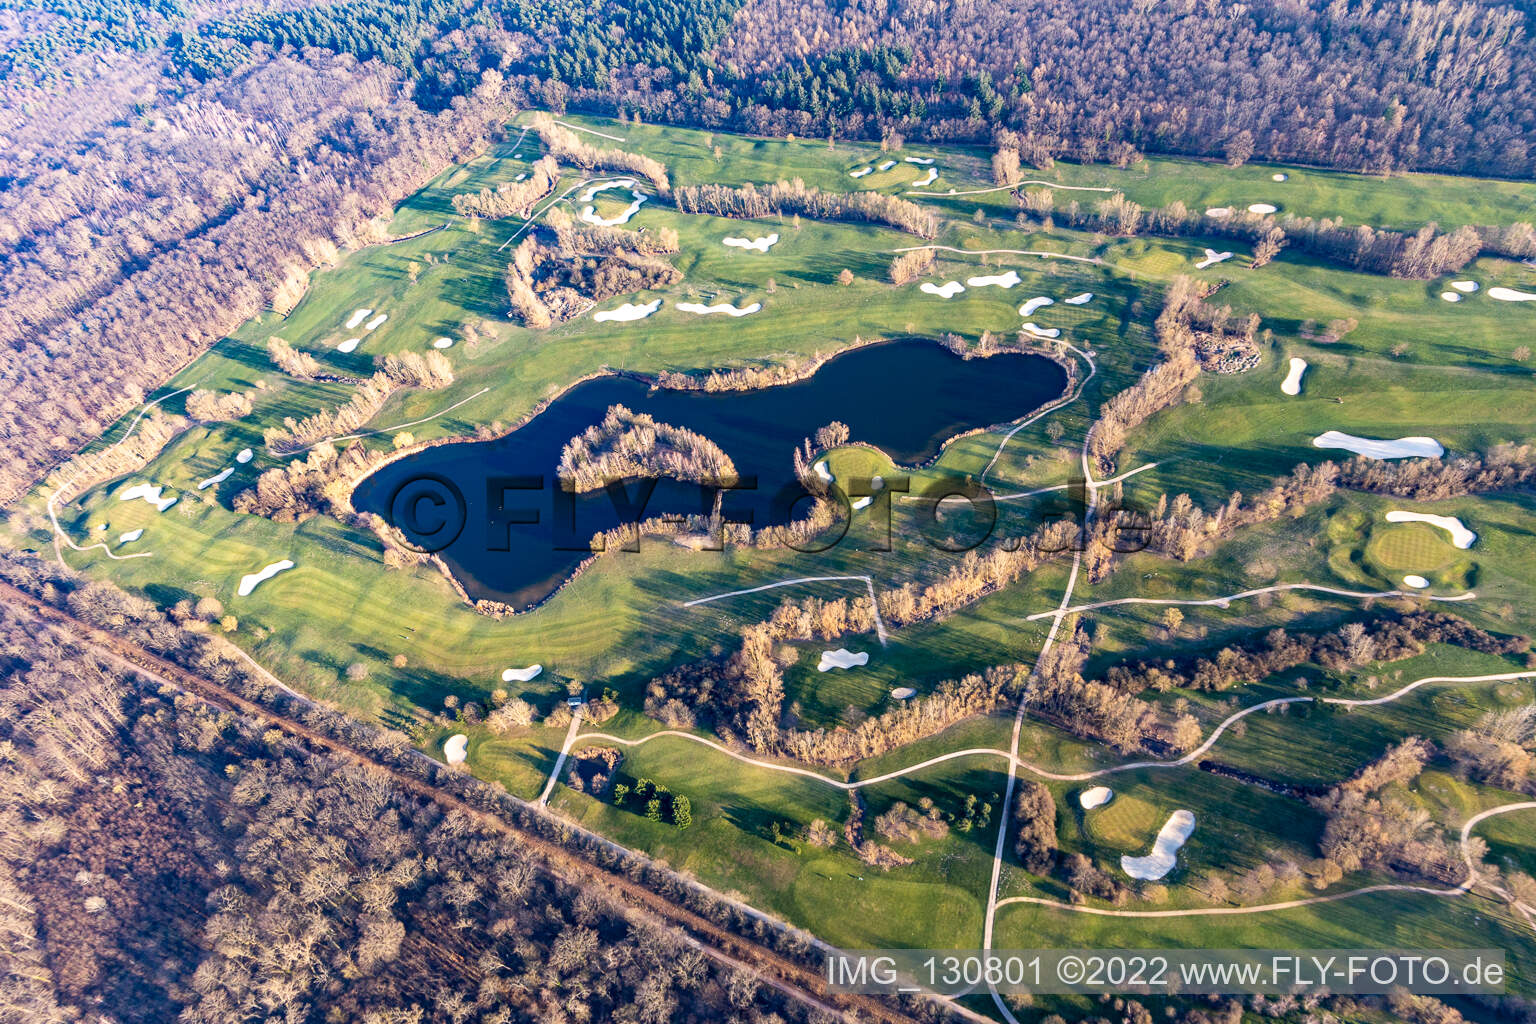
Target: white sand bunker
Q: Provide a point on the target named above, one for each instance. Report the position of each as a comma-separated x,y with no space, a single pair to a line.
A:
886,165
628,311
1460,535
876,484
1212,257
823,472
1467,287
1218,211
521,675
443,343
349,345
1174,833
1028,309
1451,296
251,580
1007,280
720,307
246,455
1095,796
925,160
860,172
760,244
1262,208
929,178
947,290
1401,448
1279,177
217,478
1510,295
456,748
1043,332
1292,383
375,322
589,213
357,318
1079,300
130,536
150,493
842,658
602,186
1416,582
903,693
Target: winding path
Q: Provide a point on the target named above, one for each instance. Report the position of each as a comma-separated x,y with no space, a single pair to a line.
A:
1093,370
1223,602
536,214
1045,773
58,531
1308,901
565,751
879,625
400,426
1012,252
1017,184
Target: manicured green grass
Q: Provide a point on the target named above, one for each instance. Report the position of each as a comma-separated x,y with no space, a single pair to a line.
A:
1414,365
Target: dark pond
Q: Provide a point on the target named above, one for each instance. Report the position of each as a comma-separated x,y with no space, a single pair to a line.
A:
906,398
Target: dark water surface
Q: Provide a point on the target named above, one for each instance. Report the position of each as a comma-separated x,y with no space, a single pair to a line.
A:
906,398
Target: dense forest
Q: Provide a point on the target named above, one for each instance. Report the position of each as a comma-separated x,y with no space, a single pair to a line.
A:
169,169
165,859
142,218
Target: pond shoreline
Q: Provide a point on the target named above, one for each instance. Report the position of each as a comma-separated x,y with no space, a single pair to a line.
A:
870,391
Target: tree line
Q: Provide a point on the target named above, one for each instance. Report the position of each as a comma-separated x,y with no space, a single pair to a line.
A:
168,860
1420,255
752,202
124,257
396,372
626,445
565,144
511,198
551,284
431,904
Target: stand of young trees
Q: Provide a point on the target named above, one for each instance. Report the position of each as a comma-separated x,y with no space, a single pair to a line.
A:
627,444
574,238
1367,828
320,482
1034,816
396,372
511,198
1386,637
548,284
135,451
1498,750
565,144
910,266
751,202
215,407
1423,254
1181,529
749,378
1192,335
